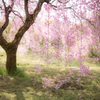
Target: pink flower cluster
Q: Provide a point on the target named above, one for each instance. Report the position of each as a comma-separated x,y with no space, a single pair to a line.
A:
38,69
61,83
46,82
84,70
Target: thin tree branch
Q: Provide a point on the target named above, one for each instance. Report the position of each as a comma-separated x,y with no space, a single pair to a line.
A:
26,8
4,4
38,8
8,9
28,22
55,7
7,12
14,12
32,1
63,2
75,13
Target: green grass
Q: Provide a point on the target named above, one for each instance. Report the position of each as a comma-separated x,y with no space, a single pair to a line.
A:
19,86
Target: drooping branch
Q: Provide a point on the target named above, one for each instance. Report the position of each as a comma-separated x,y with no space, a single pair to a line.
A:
79,16
15,13
71,8
55,7
63,2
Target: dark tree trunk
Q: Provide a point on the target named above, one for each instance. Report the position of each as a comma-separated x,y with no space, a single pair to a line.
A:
11,61
11,48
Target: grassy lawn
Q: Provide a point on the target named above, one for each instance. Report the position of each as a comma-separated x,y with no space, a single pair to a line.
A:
27,85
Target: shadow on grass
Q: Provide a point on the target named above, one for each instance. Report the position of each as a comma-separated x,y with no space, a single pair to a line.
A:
12,86
20,73
20,86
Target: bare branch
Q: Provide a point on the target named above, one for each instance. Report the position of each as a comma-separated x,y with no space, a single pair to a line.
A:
33,1
55,7
4,4
38,8
7,10
53,1
14,12
63,2
28,22
12,4
26,8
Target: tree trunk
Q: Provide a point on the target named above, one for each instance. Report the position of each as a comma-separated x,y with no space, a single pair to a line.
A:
11,60
11,48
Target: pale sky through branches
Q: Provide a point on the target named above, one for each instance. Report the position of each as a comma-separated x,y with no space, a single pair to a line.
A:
69,12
